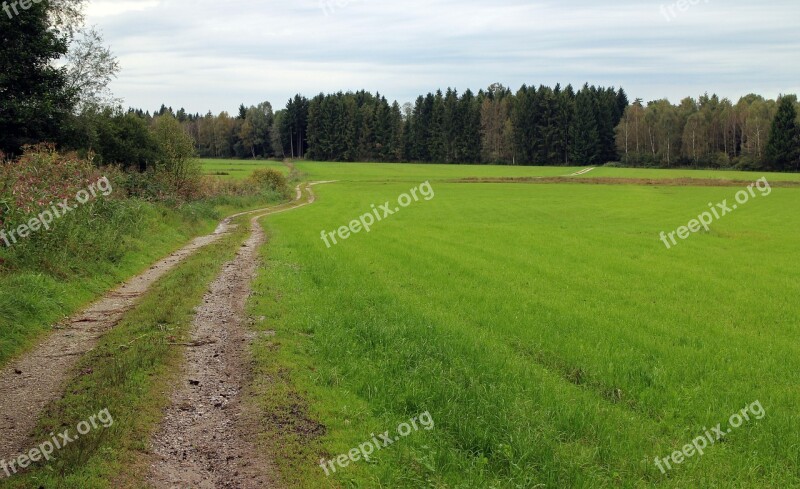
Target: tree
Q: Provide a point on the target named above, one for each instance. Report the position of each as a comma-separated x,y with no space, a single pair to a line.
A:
276,136
496,143
247,137
127,141
176,151
254,132
469,142
583,133
630,139
295,125
524,120
437,149
35,98
783,149
90,68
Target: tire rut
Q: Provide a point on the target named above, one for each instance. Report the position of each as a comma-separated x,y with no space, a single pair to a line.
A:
207,437
35,379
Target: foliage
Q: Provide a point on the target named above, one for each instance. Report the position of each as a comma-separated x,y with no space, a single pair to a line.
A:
708,132
91,67
176,154
783,149
35,99
271,179
40,178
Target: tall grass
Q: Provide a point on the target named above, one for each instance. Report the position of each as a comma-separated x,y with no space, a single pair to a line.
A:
52,272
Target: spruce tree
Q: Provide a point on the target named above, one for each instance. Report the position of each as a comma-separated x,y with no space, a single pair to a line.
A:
584,137
783,149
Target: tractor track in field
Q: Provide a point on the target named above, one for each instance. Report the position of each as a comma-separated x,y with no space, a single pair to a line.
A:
38,377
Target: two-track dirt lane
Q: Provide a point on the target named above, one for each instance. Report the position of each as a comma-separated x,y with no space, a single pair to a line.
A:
30,382
207,437
38,377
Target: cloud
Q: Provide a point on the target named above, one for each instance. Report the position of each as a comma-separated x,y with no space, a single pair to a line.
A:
206,54
106,8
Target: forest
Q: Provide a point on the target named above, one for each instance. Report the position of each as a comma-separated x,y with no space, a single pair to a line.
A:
534,126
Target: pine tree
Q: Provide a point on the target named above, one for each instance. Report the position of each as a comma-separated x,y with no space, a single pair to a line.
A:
467,127
523,119
436,143
783,149
566,113
583,133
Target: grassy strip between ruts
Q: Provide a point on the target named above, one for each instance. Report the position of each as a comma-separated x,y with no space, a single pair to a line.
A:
131,373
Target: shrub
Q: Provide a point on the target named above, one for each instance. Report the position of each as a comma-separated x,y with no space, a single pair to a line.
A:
719,159
176,163
39,178
270,179
94,231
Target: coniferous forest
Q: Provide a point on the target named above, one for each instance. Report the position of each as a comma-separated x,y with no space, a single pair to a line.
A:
532,126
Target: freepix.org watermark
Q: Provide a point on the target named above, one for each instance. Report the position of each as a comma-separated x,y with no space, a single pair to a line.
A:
710,437
56,211
46,449
669,11
378,443
378,213
717,211
23,4
330,7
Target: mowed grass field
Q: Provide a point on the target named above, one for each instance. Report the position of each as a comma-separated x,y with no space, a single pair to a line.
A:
551,335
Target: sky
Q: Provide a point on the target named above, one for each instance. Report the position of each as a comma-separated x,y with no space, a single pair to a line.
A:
216,54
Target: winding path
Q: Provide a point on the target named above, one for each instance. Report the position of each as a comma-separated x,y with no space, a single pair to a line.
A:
206,439
38,377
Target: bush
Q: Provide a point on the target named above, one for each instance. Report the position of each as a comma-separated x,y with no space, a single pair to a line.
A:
270,179
40,178
719,159
95,229
748,163
176,163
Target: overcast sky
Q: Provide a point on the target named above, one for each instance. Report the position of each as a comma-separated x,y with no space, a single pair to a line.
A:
215,54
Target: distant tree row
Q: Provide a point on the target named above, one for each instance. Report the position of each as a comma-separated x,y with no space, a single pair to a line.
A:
711,132
534,126
544,126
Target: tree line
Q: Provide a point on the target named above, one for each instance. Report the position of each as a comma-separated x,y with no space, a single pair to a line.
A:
753,134
533,126
54,75
544,125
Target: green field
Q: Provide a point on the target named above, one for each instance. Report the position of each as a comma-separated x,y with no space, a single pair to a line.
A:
553,338
236,169
240,169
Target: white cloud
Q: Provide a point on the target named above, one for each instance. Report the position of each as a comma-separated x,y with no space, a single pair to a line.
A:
207,54
98,9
